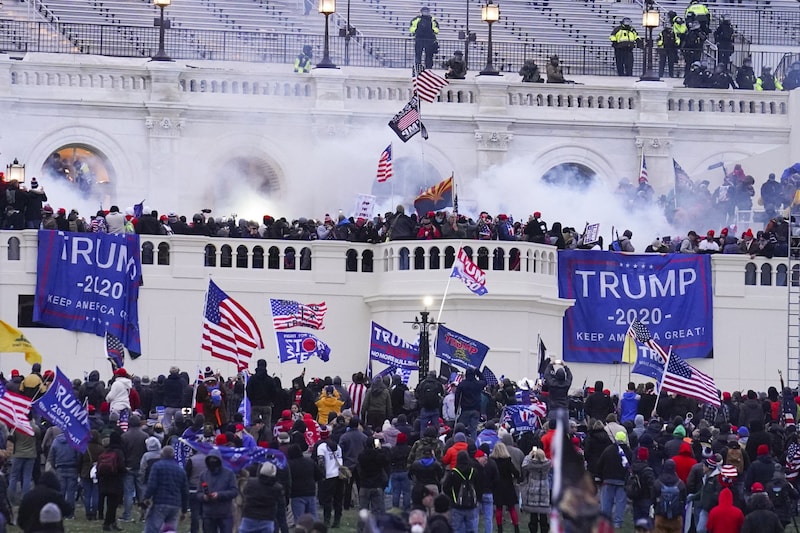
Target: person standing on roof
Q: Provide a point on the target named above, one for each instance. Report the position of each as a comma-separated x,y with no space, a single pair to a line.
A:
624,39
424,28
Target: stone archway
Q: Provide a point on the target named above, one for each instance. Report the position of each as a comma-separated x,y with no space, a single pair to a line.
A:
252,183
575,175
84,167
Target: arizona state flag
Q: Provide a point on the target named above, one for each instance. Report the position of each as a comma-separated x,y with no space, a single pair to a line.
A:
436,198
12,340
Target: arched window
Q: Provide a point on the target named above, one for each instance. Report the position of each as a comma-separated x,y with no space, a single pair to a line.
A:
163,253
513,259
82,167
469,252
483,258
796,276
13,249
766,274
351,261
434,260
449,257
305,258
499,260
211,255
419,258
258,257
289,259
780,275
226,256
241,256
366,261
404,257
750,274
147,253
274,259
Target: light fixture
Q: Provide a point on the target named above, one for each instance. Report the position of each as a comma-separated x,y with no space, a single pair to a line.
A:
327,8
15,171
490,13
427,301
162,24
651,18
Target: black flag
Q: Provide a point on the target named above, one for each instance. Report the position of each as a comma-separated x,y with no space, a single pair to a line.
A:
407,123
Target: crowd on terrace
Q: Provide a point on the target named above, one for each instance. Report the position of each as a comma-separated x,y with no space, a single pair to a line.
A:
688,204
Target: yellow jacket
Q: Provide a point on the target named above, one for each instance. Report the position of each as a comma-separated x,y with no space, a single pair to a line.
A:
328,404
623,36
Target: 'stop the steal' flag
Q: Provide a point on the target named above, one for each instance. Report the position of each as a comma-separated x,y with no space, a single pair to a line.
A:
299,347
290,314
456,349
468,272
612,290
406,123
89,282
63,409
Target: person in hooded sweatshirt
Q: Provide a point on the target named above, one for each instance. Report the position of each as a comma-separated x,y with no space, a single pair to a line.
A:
218,487
761,517
758,437
725,517
373,471
88,486
613,471
153,454
684,461
47,490
93,391
331,488
668,513
638,426
377,405
305,475
118,396
762,469
535,490
261,497
641,502
751,411
629,404
401,483
557,382
426,474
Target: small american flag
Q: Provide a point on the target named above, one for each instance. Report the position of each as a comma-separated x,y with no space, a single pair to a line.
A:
385,165
643,171
290,314
409,118
682,378
428,84
115,351
489,377
124,416
640,332
14,410
230,333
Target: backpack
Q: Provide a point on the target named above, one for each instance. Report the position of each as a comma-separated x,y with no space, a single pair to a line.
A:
107,464
409,400
735,458
633,486
466,499
669,504
429,396
779,497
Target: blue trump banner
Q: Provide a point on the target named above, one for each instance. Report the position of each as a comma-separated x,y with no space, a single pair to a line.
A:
61,408
649,363
300,347
670,294
239,458
388,348
459,350
524,417
89,282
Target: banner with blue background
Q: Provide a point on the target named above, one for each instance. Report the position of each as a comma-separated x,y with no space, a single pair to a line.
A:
670,294
90,282
388,348
459,350
63,409
299,347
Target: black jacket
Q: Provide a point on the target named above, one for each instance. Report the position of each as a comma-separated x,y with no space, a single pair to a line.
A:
398,456
598,405
305,474
261,388
609,467
46,491
260,498
173,391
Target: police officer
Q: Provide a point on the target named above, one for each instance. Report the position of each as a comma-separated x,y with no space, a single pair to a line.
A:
721,78
624,39
668,44
693,43
530,72
698,12
698,76
456,67
745,76
768,82
303,61
424,27
723,36
554,71
792,79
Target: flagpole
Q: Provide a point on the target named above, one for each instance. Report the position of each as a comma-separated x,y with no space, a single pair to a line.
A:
447,288
661,382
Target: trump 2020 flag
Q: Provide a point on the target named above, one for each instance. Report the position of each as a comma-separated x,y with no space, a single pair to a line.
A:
299,347
63,409
524,417
238,458
468,272
456,349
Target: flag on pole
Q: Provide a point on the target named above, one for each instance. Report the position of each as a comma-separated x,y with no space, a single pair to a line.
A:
138,209
406,123
230,333
643,170
428,84
13,340
682,179
639,331
468,272
385,165
115,351
542,357
489,377
290,314
435,198
684,379
14,410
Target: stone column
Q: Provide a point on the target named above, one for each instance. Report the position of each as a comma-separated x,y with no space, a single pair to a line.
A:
654,135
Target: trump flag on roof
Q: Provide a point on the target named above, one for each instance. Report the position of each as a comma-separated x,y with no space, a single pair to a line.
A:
435,198
299,347
230,332
468,272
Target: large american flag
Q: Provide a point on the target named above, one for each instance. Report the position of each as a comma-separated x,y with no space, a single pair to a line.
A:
639,331
682,378
230,333
290,314
385,165
428,84
14,410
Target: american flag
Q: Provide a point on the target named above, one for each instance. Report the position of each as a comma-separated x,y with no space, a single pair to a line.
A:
115,351
385,165
428,84
489,377
290,314
643,171
639,331
409,118
230,333
682,179
124,416
14,410
682,378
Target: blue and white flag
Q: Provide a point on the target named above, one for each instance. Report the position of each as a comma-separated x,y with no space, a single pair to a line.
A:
238,458
388,348
468,272
90,282
489,377
524,417
244,405
299,347
456,349
63,409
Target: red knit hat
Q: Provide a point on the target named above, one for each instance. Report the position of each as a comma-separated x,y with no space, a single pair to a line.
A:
643,454
478,454
762,449
402,438
221,440
756,487
536,214
726,396
325,432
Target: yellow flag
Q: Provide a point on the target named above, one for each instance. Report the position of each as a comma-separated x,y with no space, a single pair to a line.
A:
13,340
629,350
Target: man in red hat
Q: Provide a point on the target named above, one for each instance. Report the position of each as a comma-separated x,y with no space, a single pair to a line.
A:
118,396
709,244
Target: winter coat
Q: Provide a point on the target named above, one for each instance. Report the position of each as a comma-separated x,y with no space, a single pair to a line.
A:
450,455
761,470
749,412
669,479
684,461
628,405
172,390
223,482
725,518
598,405
378,401
426,471
504,491
118,396
328,404
47,490
646,476
596,442
261,388
373,468
260,497
93,391
398,457
535,487
305,474
610,467
133,444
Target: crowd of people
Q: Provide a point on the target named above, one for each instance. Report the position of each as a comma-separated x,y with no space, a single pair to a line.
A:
442,457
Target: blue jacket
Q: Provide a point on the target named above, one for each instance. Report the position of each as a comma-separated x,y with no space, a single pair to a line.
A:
628,406
222,481
63,456
168,485
488,436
